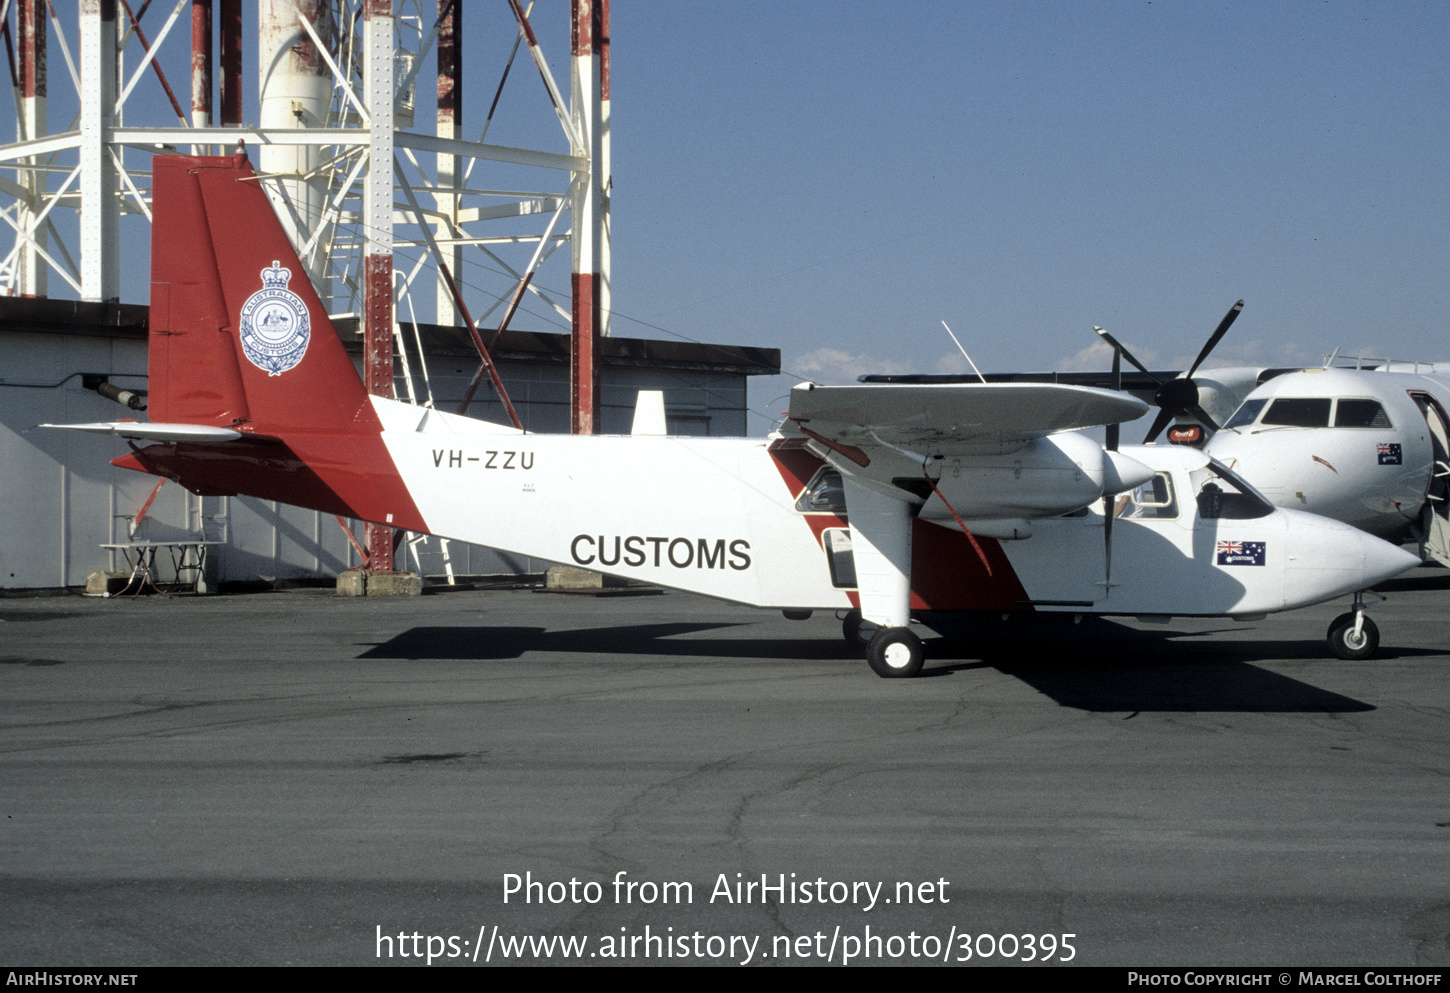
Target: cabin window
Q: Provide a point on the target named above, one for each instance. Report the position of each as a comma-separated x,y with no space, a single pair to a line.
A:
1223,496
1360,414
1246,414
1299,412
826,494
837,542
1154,500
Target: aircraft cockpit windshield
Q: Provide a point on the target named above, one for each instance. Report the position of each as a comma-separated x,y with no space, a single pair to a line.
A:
1311,412
1247,413
1224,496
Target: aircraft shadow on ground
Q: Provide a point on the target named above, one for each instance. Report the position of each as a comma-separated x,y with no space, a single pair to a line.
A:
1102,666
1099,666
484,643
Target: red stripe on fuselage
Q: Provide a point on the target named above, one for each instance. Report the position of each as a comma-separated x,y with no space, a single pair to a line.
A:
797,466
948,574
818,523
946,571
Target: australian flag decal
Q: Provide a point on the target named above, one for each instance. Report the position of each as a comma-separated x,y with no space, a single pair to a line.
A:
1241,552
1390,454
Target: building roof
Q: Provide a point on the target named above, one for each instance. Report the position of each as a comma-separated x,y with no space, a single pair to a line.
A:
126,320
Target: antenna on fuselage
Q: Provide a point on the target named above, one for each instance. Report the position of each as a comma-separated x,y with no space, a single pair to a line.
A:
964,353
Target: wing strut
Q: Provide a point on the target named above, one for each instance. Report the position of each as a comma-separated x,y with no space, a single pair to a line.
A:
880,523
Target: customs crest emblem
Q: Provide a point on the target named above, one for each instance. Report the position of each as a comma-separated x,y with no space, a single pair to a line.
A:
275,328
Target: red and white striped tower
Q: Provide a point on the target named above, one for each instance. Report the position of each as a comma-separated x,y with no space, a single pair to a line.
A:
294,90
450,124
100,229
229,45
30,20
378,236
201,64
589,100
605,171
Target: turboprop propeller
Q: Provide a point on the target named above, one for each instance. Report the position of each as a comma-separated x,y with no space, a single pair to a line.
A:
1179,397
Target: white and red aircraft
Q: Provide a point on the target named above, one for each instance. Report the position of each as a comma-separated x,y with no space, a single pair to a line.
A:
879,501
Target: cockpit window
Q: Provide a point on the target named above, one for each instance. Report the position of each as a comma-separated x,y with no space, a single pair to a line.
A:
1312,412
1225,497
1299,412
1360,414
1246,413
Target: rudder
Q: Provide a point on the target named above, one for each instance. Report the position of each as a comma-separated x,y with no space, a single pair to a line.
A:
239,337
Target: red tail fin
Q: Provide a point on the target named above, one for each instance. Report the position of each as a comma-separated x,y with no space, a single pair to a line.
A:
239,337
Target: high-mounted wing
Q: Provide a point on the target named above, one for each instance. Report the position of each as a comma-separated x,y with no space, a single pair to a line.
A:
1139,384
955,419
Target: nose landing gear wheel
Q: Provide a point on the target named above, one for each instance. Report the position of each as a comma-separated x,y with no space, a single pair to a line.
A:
1346,644
895,653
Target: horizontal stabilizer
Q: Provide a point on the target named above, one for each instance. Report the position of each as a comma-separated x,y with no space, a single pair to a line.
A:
141,431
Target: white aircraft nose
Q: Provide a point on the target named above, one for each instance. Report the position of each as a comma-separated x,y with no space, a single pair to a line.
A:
1330,559
1383,560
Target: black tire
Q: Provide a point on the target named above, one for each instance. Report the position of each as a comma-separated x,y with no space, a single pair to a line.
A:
851,628
1345,645
895,653
795,614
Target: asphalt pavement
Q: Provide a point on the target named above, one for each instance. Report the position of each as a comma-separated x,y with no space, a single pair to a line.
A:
507,775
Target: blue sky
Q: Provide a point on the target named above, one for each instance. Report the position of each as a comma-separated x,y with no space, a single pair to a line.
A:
847,176
837,179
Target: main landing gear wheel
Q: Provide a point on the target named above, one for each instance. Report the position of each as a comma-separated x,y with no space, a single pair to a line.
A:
851,628
895,653
1346,644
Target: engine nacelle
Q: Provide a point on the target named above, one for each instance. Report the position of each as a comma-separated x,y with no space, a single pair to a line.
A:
1046,477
